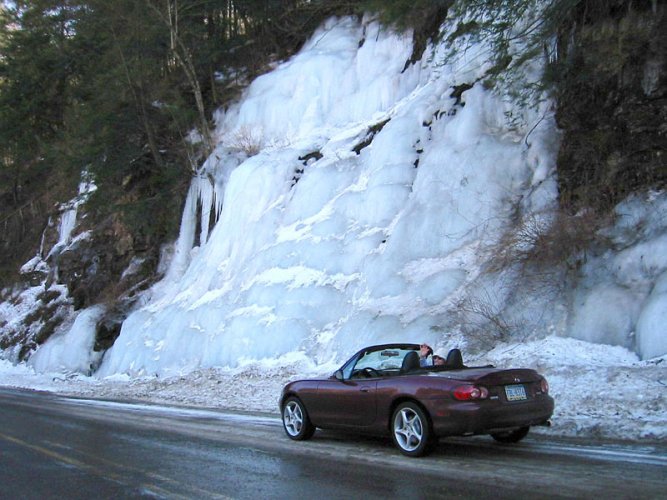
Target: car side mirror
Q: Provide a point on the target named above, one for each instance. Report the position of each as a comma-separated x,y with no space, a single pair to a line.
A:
338,374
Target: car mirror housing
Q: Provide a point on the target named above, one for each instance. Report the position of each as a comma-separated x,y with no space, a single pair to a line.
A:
338,374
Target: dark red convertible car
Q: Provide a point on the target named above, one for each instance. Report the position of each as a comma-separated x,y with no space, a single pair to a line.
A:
383,390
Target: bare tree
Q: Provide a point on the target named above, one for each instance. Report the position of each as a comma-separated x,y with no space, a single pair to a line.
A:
169,13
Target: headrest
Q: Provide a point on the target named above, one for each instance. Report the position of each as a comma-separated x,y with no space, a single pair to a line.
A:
410,361
454,359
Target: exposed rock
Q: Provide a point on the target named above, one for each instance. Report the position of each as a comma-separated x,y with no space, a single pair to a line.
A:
92,267
50,310
108,329
613,105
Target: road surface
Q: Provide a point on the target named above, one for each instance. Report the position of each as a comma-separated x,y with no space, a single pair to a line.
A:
57,447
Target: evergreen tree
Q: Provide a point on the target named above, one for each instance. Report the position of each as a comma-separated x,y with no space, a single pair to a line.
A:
116,88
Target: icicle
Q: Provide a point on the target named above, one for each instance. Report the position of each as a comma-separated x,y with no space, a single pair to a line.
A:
201,196
219,196
41,241
68,215
206,194
67,223
186,235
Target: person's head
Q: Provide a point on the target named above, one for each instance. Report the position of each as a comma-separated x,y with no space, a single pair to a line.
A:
438,360
425,350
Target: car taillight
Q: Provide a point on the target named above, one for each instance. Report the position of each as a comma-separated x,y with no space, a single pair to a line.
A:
544,386
469,392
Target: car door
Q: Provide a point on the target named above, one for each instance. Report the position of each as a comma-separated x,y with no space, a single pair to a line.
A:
345,403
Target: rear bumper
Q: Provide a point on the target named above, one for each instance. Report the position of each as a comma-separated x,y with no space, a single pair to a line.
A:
454,418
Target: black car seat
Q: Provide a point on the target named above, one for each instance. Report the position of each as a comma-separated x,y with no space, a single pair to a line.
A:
454,359
410,362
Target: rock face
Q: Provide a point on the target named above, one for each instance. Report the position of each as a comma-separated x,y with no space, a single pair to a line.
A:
612,104
99,263
21,333
92,264
612,109
110,266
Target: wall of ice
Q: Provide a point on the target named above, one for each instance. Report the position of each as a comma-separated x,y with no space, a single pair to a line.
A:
361,216
71,350
622,296
351,200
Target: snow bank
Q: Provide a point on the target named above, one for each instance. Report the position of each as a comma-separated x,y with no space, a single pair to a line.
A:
600,391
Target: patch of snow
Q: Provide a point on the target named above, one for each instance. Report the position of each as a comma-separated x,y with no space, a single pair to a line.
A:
36,264
600,390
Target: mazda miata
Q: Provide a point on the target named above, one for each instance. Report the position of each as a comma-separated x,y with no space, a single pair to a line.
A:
383,390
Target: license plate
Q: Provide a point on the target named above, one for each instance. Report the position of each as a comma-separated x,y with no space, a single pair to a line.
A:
515,392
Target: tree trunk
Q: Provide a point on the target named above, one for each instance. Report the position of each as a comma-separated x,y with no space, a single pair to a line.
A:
184,59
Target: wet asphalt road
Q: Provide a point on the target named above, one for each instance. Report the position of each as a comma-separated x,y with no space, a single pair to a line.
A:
56,447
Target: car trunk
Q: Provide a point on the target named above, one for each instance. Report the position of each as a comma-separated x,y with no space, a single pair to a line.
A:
492,376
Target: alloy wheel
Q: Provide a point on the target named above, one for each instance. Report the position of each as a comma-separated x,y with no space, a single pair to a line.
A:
293,418
408,429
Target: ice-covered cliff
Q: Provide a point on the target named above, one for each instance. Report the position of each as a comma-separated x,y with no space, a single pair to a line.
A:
354,198
357,198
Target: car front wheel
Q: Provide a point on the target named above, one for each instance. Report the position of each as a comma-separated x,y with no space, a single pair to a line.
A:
296,423
513,436
411,430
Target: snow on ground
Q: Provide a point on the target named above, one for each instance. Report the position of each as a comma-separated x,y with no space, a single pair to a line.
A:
600,391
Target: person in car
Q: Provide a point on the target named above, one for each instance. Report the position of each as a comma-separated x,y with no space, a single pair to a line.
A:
425,352
438,360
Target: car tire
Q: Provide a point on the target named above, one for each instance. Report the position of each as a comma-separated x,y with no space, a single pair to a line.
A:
513,436
411,430
296,423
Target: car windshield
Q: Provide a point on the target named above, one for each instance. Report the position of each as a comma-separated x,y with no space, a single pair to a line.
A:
382,360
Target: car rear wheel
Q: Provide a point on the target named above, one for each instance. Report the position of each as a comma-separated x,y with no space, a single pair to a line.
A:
411,430
296,423
513,436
